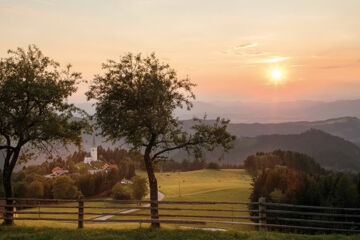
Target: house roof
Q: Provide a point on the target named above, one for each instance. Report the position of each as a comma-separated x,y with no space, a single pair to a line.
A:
113,166
55,169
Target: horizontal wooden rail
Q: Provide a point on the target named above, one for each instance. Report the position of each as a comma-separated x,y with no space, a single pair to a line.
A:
132,214
309,207
135,207
313,214
265,215
172,202
40,199
37,205
132,201
314,221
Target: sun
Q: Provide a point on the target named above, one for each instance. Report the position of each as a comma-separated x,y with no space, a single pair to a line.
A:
276,76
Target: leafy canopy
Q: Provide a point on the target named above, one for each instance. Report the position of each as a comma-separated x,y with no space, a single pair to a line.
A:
136,98
33,106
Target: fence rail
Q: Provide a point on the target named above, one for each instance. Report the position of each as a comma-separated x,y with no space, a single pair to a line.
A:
262,215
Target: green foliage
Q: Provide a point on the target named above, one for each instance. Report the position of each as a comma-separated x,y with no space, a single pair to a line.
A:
36,190
20,189
300,181
139,187
254,164
33,106
121,192
65,188
213,165
136,98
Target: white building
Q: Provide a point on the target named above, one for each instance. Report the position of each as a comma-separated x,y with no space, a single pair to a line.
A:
93,156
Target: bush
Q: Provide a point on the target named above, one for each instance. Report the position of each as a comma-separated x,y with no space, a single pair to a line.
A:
213,165
120,192
64,188
36,189
139,187
20,189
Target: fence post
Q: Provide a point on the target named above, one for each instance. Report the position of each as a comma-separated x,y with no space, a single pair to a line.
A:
262,213
81,212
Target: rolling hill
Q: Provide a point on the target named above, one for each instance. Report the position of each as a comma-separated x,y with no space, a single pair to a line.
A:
331,152
344,127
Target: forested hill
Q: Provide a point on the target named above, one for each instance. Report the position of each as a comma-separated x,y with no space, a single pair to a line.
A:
329,151
345,127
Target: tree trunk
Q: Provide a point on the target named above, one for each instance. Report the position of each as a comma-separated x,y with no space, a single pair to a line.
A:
8,194
153,189
9,164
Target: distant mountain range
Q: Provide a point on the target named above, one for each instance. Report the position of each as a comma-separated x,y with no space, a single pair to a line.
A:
345,127
334,144
266,112
273,112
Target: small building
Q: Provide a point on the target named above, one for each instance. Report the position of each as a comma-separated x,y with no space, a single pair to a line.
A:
108,167
126,181
93,154
56,172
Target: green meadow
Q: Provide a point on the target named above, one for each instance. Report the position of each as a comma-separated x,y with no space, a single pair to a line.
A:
43,233
202,185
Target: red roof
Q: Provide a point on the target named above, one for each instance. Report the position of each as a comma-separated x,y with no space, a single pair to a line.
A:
114,166
105,166
55,169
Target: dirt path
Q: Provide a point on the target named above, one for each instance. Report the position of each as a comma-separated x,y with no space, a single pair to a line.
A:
106,217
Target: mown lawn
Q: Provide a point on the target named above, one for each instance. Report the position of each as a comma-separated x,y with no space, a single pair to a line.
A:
9,233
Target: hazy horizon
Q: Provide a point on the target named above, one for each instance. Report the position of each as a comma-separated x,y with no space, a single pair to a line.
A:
258,51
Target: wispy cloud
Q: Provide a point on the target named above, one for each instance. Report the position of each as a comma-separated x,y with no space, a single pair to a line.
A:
246,45
274,60
246,49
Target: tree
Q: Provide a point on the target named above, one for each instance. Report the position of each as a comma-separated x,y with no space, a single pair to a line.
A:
65,188
135,100
36,189
33,108
120,192
139,187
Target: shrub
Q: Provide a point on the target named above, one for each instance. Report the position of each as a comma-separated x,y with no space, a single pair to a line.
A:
36,189
120,192
213,165
139,187
64,188
20,189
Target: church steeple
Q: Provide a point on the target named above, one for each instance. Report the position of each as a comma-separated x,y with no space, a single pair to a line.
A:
94,142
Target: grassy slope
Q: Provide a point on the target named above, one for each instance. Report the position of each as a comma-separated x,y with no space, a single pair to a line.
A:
12,233
204,185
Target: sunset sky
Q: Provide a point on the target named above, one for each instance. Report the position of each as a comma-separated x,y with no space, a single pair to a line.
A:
230,49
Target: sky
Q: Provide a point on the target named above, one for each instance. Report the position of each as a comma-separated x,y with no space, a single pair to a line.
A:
253,51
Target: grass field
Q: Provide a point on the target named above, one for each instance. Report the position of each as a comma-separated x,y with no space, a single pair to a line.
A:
12,233
205,185
202,185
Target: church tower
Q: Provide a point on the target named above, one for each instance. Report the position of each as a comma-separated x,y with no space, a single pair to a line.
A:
93,151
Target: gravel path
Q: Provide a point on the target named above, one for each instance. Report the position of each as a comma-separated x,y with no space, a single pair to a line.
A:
106,217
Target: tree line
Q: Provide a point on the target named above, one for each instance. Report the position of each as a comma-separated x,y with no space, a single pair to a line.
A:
295,178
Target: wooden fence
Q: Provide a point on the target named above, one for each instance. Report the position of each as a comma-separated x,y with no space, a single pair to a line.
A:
263,215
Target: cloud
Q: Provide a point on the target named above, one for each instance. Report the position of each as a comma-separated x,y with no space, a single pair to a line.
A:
245,49
274,60
246,45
